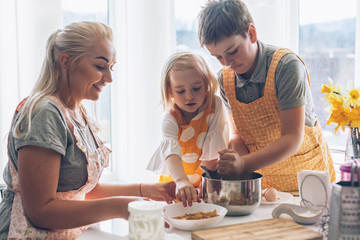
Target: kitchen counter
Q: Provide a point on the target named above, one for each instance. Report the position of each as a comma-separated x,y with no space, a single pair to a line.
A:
263,212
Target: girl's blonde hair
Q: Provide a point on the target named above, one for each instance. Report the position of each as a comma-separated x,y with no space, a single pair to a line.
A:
184,60
76,39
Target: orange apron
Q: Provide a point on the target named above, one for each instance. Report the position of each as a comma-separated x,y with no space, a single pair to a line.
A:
191,138
20,227
258,124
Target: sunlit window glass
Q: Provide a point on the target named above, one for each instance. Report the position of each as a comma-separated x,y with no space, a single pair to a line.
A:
187,29
327,45
84,10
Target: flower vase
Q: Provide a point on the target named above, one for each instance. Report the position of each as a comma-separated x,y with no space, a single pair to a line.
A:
352,147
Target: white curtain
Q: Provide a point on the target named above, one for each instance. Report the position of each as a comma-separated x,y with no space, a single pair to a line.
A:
8,72
25,26
144,38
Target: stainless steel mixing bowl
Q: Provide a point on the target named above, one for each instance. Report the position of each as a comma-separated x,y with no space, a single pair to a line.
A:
239,196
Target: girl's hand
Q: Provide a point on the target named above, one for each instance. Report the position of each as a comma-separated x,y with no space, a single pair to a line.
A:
186,193
159,191
230,163
199,192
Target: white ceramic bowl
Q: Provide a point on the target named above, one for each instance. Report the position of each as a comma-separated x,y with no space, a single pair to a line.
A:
177,209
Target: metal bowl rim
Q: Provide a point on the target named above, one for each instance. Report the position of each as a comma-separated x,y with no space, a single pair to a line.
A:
257,176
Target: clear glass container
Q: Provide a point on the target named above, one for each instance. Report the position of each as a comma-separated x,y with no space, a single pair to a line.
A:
146,221
352,148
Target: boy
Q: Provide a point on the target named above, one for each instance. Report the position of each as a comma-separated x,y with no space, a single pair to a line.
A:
267,91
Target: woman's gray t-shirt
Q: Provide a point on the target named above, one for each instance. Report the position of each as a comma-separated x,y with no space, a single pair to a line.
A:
49,129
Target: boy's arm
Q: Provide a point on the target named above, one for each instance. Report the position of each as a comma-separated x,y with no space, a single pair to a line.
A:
211,165
231,163
292,131
236,142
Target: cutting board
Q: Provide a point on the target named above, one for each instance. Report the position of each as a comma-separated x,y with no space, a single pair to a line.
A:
276,228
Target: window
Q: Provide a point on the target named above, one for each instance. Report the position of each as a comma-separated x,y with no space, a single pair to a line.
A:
327,45
187,29
85,10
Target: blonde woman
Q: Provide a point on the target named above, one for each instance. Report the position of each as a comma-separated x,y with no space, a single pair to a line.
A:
55,155
194,127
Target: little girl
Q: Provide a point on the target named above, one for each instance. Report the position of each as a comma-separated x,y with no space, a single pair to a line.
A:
194,128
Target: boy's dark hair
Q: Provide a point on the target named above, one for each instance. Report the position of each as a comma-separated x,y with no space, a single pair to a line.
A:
223,18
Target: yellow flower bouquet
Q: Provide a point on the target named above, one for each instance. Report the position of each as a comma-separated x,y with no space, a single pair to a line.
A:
345,112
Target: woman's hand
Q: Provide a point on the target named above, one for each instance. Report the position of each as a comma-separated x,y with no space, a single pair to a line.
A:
122,205
230,163
186,193
159,191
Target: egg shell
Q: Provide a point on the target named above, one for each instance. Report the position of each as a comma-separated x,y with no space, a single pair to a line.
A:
270,194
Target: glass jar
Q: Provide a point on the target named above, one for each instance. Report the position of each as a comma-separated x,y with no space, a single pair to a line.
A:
146,221
345,170
352,148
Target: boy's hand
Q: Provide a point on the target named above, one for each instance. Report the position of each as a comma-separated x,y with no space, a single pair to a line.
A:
230,163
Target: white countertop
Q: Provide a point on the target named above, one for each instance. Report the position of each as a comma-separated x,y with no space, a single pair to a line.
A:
121,226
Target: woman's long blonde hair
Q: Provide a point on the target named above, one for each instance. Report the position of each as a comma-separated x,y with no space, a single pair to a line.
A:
76,39
184,60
